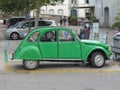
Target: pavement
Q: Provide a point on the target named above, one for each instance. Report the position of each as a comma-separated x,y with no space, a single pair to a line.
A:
9,66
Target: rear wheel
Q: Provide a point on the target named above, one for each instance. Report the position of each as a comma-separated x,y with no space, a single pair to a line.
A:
97,60
14,36
30,64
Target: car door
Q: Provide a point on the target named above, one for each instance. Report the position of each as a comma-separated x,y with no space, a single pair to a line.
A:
48,45
69,46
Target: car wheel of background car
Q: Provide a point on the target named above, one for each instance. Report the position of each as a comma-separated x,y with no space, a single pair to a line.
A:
49,35
97,59
14,36
30,64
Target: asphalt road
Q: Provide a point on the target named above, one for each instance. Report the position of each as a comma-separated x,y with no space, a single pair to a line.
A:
60,81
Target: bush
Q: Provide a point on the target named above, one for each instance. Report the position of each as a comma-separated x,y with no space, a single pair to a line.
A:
73,18
116,25
92,18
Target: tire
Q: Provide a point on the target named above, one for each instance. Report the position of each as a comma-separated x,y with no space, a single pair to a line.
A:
14,36
30,64
97,60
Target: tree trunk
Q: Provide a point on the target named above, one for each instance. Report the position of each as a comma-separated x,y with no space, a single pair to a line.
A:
37,13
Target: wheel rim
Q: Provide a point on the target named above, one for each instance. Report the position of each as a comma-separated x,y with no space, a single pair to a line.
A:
99,60
31,64
14,36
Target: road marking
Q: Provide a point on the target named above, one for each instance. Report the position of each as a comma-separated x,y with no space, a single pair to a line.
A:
9,70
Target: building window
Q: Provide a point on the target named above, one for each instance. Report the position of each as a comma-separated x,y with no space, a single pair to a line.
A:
42,11
73,1
60,11
87,2
60,2
51,12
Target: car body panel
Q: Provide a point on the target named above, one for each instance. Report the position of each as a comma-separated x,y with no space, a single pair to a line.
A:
58,50
90,45
115,47
49,50
69,50
28,51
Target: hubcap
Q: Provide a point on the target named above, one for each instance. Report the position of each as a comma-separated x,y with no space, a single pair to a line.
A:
31,64
99,60
14,36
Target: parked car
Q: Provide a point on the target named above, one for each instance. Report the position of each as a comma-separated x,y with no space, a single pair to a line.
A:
115,47
20,29
13,20
59,44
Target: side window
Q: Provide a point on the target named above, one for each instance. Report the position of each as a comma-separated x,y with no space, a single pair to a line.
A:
47,23
65,36
49,36
41,23
33,37
27,24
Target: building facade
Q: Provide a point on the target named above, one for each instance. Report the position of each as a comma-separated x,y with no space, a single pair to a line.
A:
104,10
65,8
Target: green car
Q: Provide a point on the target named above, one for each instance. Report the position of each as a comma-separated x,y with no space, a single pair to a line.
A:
59,44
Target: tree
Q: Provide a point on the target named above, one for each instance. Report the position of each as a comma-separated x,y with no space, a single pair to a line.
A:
116,25
12,7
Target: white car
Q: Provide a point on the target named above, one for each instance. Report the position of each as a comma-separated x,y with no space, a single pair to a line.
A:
115,47
20,29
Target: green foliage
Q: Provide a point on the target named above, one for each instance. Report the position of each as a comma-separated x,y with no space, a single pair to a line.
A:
116,25
73,18
10,7
92,18
13,7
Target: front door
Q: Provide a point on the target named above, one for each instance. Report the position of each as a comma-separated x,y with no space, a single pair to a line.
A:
48,45
69,47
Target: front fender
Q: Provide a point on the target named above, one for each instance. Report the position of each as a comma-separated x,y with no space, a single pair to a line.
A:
105,51
28,52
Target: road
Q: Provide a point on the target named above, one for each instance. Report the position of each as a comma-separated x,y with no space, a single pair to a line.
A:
56,75
60,81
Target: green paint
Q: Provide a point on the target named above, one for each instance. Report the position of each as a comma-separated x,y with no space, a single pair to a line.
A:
74,49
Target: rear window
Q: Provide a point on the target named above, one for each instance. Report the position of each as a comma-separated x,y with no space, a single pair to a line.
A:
13,21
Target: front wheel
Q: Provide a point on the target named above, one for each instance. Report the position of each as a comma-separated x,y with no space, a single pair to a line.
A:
97,60
30,64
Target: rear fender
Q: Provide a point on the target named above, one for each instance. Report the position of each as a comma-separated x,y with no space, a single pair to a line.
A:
28,53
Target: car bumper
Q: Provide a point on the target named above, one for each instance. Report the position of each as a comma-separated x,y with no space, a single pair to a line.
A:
7,35
115,49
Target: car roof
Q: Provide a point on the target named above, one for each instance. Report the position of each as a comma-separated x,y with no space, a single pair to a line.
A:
45,28
18,17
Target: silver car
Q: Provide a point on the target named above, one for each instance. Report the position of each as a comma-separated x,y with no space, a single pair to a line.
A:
20,29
